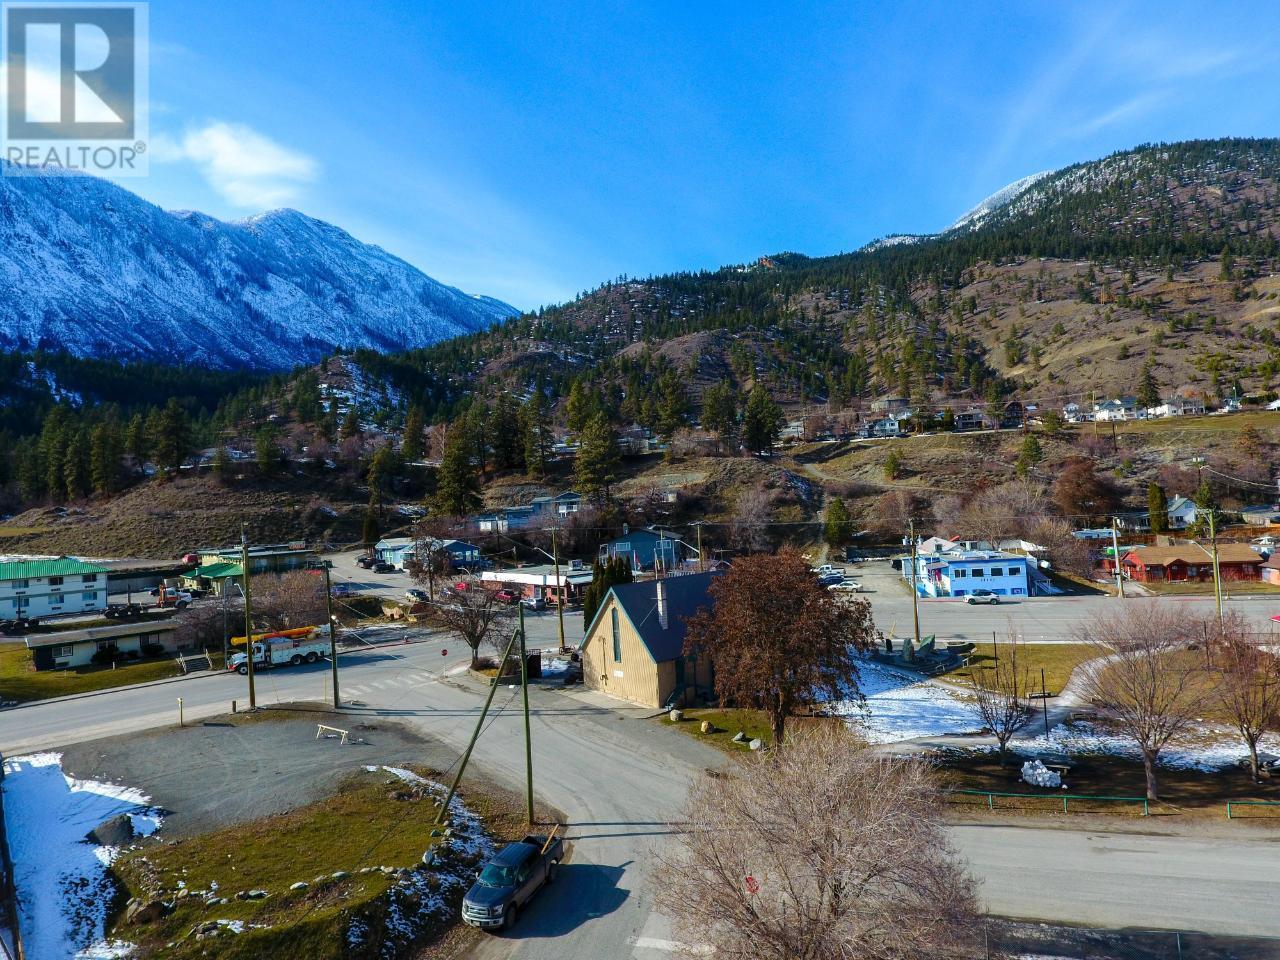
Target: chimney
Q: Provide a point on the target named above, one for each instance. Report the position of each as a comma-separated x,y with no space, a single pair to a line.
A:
662,605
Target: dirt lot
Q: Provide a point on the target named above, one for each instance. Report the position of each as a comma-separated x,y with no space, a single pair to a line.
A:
235,768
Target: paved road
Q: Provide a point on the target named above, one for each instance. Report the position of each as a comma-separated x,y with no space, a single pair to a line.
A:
621,779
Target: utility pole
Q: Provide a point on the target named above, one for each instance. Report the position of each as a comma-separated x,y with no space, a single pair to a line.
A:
248,617
1115,557
915,595
333,634
528,739
1217,573
702,566
475,735
1044,702
560,594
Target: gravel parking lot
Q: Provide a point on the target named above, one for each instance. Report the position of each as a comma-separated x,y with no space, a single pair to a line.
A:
230,769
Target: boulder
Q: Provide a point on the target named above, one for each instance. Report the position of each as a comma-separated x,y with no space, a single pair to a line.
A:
300,885
756,744
707,727
140,911
115,832
739,737
339,875
257,894
676,716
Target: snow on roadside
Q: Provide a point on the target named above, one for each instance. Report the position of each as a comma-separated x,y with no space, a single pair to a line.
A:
1200,750
898,705
60,875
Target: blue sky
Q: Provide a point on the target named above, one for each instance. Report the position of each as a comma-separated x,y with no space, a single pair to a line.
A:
532,151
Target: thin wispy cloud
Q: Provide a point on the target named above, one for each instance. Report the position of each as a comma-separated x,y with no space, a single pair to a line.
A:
247,168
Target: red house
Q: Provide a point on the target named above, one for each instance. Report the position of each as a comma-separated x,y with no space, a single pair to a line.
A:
1192,562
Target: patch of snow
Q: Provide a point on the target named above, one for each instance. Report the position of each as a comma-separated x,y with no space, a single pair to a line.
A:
1002,197
408,776
1202,750
1038,775
61,877
897,705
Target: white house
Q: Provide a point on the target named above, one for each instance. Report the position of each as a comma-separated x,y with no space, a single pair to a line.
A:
1179,405
960,573
1182,513
1119,409
49,588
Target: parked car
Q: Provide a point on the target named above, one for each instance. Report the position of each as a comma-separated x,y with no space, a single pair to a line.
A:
828,579
416,596
982,596
383,567
343,590
508,596
366,562
509,881
827,570
534,603
850,586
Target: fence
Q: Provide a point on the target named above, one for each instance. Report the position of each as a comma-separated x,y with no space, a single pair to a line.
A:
1250,803
1065,798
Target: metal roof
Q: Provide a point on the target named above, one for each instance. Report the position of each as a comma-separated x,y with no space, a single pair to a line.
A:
39,569
113,632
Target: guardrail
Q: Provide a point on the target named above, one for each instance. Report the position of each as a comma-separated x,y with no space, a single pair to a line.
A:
1065,798
1250,803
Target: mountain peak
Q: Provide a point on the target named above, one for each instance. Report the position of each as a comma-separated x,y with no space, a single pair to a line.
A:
90,268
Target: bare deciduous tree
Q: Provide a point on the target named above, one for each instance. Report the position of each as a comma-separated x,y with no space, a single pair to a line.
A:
777,637
1000,692
289,600
1146,676
476,615
822,852
751,515
1248,688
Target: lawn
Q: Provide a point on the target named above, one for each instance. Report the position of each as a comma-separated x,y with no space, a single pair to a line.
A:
18,681
753,723
1056,659
1230,588
1182,792
372,821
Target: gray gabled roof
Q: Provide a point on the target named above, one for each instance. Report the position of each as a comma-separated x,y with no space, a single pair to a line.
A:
639,601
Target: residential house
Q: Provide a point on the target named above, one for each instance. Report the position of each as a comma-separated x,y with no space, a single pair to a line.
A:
972,419
1182,513
891,405
1186,403
76,648
633,649
270,558
647,549
1190,562
961,572
541,580
215,578
1270,569
1119,409
540,511
51,587
1013,415
399,551
1074,413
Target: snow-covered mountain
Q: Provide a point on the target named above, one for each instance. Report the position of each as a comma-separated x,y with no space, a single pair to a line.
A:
1002,197
90,268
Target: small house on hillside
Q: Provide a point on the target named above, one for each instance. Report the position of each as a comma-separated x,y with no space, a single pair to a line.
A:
399,551
1182,513
633,649
647,549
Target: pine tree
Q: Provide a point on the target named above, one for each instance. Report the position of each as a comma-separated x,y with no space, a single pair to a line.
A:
172,437
537,435
1158,508
1148,388
838,528
597,464
458,485
266,451
581,406
75,466
104,458
720,411
136,442
504,433
476,424
673,404
350,425
761,421
222,464
1028,456
413,447
371,530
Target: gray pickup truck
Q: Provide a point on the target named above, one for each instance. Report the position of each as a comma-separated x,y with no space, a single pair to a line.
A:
508,881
